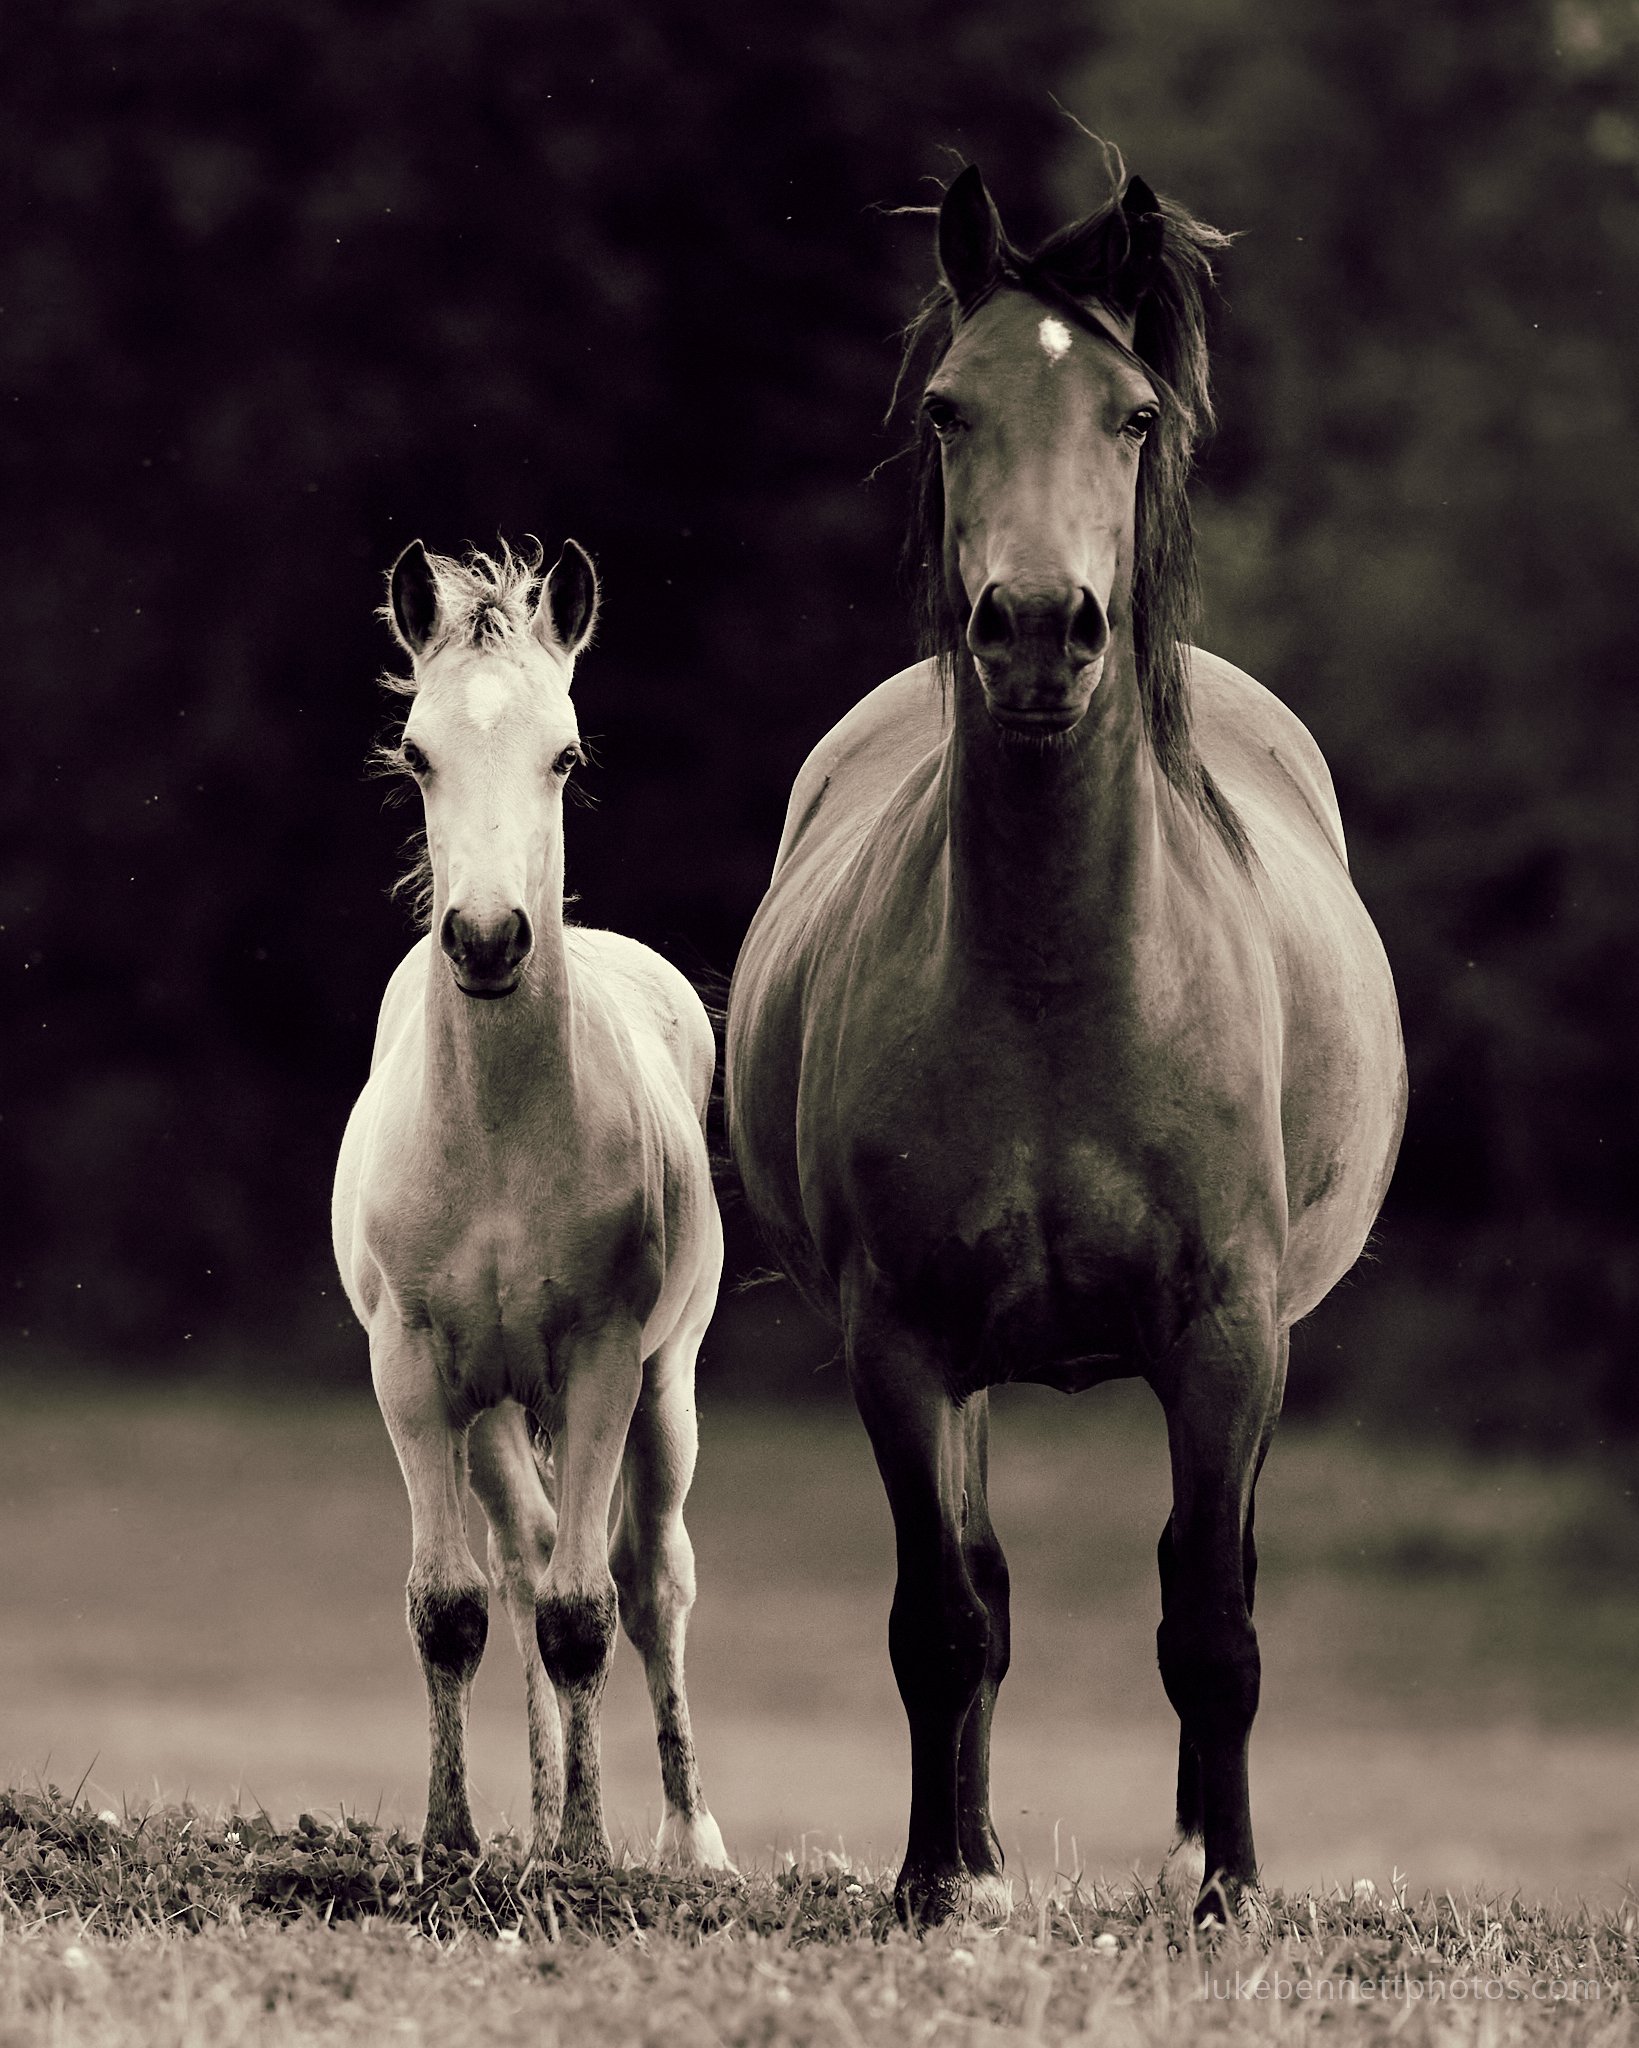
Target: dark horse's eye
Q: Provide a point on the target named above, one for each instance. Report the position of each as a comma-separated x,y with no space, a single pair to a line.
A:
571,757
413,758
940,414
1138,427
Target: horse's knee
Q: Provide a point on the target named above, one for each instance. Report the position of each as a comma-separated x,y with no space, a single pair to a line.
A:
450,1625
576,1632
1211,1671
939,1640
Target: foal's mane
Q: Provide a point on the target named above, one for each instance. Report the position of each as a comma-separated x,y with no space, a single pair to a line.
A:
1085,261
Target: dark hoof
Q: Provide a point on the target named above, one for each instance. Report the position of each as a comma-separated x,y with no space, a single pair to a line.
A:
449,1838
928,1898
1224,1901
586,1849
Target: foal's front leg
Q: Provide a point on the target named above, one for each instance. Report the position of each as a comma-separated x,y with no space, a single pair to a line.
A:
577,1609
446,1596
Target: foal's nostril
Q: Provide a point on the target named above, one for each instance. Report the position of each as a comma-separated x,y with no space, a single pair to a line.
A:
519,940
482,954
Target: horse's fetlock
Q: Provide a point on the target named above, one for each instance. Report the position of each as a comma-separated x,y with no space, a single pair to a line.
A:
450,1625
576,1632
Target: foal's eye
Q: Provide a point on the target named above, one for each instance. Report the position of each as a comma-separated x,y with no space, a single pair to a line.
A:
413,758
1138,427
571,757
941,415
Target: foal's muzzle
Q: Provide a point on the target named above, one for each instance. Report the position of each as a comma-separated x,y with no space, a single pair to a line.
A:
1040,654
486,956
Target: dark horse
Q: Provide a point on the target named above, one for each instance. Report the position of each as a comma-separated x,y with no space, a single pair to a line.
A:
1061,1048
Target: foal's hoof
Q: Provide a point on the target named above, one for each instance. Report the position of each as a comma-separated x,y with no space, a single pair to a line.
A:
695,1844
586,1847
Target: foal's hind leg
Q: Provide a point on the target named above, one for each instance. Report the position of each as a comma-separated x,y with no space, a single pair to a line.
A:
446,1595
1222,1397
507,1481
653,1563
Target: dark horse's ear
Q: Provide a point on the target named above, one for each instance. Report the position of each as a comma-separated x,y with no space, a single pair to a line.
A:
568,606
970,236
1146,232
414,593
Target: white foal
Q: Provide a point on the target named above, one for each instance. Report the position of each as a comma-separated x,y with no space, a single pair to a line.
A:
525,1223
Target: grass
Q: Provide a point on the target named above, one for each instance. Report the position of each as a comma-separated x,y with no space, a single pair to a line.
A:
203,1596
174,1927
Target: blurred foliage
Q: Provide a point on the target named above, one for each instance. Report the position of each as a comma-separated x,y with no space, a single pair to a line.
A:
288,284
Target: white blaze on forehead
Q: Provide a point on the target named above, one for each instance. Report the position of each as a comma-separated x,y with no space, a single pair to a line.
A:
1054,337
489,691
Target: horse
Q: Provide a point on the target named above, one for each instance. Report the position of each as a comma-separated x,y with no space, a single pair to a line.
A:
525,1222
1061,1048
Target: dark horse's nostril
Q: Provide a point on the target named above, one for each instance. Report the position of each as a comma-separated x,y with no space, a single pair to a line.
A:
1089,630
990,628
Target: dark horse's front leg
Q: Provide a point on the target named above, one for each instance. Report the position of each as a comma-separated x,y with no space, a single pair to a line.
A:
1222,1396
947,1633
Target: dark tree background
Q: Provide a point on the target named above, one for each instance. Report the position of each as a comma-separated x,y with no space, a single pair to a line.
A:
285,284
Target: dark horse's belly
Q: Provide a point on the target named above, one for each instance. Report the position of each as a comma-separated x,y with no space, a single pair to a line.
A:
1018,1302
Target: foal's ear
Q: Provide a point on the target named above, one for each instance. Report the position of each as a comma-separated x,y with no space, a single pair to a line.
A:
568,606
414,594
1146,232
970,236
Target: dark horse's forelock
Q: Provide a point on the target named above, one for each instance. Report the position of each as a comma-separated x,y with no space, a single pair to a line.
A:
1085,262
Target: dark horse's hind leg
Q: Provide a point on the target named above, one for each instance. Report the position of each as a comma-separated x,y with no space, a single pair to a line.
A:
1221,1411
940,1632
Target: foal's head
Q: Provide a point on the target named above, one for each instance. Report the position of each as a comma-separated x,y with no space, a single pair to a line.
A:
491,739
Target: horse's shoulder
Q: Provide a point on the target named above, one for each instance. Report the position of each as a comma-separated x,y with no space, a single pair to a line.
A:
865,756
1258,749
401,1000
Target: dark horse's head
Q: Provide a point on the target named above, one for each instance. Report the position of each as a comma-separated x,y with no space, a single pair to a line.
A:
1066,396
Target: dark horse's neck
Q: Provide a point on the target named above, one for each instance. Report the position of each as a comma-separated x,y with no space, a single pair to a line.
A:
1055,844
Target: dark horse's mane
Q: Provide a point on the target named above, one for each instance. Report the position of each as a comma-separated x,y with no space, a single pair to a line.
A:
1085,261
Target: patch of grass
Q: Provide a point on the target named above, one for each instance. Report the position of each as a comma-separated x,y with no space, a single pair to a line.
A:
172,1926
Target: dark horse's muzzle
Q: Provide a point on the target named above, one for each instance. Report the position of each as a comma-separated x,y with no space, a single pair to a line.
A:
486,957
1039,654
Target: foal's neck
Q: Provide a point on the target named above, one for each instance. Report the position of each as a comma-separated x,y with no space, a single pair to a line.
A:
1055,845
488,1062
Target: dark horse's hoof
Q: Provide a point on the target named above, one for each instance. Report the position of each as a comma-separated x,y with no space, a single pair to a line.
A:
1224,1901
931,1897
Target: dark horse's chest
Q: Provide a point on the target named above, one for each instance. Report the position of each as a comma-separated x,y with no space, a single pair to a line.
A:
1047,1239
